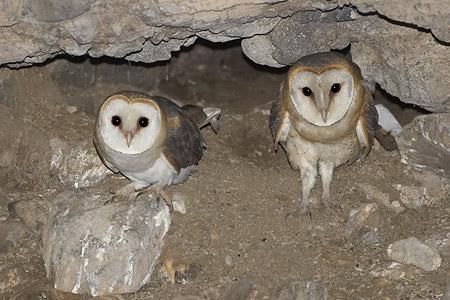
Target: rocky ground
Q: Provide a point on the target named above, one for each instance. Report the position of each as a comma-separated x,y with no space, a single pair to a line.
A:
386,234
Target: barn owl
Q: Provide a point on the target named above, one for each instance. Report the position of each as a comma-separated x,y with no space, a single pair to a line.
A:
324,118
150,140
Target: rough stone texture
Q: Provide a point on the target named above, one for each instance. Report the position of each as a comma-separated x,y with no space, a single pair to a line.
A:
30,209
412,251
405,62
402,45
365,217
411,196
440,242
374,194
425,143
76,165
10,234
96,248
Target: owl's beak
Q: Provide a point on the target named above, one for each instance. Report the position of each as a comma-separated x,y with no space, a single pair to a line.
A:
324,113
129,137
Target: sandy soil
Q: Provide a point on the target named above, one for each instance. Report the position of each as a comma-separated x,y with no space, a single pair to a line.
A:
241,235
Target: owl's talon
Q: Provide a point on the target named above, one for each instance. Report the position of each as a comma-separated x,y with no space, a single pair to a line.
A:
305,208
160,194
167,199
324,202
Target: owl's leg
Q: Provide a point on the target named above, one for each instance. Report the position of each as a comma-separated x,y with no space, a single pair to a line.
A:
128,192
308,176
326,174
160,193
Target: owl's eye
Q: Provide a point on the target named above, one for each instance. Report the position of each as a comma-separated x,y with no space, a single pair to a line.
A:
143,121
115,120
306,91
335,88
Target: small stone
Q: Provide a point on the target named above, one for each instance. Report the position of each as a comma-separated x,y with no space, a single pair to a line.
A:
414,252
95,248
374,194
371,238
411,197
366,216
179,203
173,271
71,109
312,290
228,260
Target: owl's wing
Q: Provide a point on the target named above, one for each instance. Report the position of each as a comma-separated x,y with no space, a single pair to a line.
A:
184,143
279,120
367,123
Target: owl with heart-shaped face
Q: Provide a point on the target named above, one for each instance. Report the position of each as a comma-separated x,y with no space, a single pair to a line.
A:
150,139
324,118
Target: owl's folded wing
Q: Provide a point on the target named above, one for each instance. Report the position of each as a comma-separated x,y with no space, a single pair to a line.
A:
184,143
367,123
279,121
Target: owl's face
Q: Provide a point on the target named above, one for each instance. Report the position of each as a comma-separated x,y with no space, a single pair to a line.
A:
129,126
322,97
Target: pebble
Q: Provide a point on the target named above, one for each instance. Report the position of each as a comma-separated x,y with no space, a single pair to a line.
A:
365,217
179,203
411,197
413,251
228,260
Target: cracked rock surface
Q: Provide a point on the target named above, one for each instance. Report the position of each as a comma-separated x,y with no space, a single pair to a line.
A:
84,237
402,45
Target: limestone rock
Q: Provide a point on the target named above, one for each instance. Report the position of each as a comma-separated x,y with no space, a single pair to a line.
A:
401,45
96,247
411,196
76,165
366,216
414,252
374,194
10,11
58,10
425,143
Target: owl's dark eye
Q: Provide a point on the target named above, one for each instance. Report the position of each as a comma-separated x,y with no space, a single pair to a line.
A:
143,121
335,88
115,120
306,91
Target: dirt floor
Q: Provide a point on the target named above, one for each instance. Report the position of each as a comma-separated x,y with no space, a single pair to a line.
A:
241,236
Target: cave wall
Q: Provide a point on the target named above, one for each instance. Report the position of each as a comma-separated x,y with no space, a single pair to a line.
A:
402,45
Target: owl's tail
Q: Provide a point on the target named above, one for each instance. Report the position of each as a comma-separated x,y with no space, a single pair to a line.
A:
203,116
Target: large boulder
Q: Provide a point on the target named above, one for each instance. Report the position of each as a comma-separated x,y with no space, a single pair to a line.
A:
402,45
93,245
